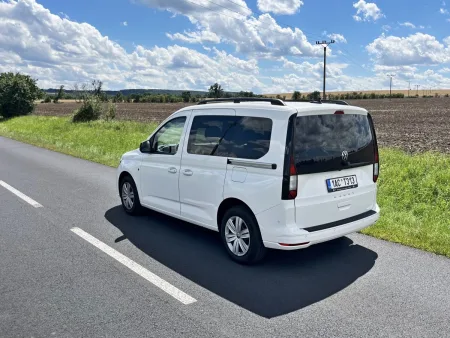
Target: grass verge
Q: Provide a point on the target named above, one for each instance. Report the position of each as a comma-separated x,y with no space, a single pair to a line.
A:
97,141
414,190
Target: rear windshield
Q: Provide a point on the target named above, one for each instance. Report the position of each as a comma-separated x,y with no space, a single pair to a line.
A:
320,142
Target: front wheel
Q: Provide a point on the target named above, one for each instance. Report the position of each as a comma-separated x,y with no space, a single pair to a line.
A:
241,237
129,196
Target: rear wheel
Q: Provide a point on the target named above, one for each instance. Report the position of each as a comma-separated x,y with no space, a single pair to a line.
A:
129,196
241,237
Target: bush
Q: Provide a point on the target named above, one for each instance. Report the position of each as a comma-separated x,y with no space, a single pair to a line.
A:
110,113
47,99
90,110
17,94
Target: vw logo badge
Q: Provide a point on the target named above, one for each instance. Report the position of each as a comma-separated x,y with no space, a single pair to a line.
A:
344,155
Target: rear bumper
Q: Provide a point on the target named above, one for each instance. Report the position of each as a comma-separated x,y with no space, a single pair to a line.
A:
311,238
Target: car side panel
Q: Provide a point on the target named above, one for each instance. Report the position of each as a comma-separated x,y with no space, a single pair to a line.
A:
259,188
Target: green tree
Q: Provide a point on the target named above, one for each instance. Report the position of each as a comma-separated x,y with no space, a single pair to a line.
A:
186,96
60,94
296,96
17,94
215,90
118,97
315,96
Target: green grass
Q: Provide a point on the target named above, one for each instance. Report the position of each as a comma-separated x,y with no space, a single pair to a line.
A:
98,141
414,197
414,190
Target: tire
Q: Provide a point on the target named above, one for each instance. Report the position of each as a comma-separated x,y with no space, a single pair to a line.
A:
132,205
252,238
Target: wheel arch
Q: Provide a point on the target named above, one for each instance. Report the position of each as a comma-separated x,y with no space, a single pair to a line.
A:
230,203
121,177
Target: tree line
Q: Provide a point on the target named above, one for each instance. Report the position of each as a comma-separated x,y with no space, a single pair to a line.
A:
215,91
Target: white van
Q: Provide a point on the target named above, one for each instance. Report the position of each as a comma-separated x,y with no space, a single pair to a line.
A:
263,172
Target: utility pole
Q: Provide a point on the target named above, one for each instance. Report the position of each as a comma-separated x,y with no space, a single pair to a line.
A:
325,45
409,87
390,86
417,86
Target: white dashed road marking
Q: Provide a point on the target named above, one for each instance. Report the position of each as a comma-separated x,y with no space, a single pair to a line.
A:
140,270
21,195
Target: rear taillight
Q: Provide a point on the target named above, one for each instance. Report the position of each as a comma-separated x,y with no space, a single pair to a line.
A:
292,180
289,185
376,162
339,112
376,166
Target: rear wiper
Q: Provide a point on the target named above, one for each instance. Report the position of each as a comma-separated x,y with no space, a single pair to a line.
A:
355,164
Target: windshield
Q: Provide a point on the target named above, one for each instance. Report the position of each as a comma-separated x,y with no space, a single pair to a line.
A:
320,140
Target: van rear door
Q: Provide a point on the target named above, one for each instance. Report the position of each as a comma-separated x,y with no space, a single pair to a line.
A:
334,155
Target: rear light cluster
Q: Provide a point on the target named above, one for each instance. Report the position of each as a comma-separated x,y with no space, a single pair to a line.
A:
376,166
293,180
376,162
290,181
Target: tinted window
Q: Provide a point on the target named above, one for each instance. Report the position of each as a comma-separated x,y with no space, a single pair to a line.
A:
319,141
230,136
167,139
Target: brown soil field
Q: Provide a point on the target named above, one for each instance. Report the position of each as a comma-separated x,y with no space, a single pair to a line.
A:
414,125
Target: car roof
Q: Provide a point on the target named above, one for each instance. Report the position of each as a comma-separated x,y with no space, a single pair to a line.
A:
289,107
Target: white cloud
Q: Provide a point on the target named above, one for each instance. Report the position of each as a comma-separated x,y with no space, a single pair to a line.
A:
386,28
415,49
443,11
195,37
286,7
367,11
408,24
261,36
59,51
337,37
124,23
64,15
444,70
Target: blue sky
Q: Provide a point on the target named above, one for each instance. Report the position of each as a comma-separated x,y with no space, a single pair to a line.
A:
267,46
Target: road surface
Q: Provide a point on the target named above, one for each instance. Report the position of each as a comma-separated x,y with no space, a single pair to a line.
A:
73,264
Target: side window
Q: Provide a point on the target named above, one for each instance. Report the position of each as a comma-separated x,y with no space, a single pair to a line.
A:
206,132
248,139
230,136
167,139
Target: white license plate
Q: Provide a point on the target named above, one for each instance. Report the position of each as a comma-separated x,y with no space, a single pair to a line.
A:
341,183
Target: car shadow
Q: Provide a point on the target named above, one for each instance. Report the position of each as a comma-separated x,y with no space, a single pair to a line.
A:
282,283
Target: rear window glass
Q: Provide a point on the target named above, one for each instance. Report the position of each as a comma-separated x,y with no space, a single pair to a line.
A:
230,136
320,140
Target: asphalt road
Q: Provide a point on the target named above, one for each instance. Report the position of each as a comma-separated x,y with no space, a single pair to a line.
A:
54,283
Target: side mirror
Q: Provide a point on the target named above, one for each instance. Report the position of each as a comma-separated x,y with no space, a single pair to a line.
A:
145,147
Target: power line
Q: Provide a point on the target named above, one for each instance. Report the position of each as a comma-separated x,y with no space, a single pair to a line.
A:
228,9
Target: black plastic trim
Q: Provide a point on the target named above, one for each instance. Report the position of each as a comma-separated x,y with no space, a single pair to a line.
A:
341,222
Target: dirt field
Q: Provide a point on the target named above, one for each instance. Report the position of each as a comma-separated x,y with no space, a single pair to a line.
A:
414,125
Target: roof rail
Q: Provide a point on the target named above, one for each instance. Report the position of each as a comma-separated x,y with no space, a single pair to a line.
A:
275,102
320,101
341,102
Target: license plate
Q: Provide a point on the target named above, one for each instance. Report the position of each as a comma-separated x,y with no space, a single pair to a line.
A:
342,183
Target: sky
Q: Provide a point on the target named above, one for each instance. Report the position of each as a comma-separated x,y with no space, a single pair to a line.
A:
264,46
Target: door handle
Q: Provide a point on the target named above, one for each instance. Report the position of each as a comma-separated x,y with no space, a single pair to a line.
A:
188,172
172,170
